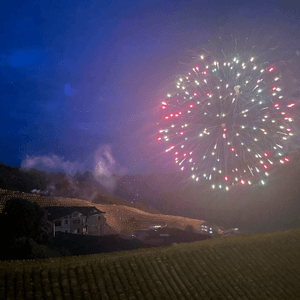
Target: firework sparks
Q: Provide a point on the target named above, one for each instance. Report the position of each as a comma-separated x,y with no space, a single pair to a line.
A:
228,120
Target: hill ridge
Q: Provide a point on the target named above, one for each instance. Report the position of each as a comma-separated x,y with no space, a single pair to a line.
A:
120,218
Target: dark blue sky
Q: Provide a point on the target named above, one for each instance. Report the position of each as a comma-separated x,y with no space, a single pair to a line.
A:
81,80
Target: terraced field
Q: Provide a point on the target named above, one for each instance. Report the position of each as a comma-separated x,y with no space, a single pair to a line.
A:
260,266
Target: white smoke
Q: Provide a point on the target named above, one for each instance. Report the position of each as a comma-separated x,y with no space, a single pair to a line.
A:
52,163
105,166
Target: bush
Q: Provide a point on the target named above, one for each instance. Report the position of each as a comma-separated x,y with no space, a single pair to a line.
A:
22,218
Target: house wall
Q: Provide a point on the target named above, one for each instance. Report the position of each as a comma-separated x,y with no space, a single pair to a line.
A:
78,223
95,224
75,223
65,225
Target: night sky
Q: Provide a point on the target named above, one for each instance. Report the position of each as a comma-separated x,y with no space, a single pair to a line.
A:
81,81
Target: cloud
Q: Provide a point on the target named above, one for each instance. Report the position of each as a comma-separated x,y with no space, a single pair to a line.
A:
52,163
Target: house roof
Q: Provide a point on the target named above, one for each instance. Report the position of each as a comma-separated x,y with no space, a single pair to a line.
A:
56,212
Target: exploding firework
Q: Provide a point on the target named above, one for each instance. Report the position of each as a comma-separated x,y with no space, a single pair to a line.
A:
228,120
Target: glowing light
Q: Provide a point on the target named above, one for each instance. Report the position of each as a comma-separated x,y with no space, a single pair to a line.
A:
231,115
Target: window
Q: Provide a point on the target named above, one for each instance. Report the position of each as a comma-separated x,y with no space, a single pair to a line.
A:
66,231
66,221
77,231
77,221
57,223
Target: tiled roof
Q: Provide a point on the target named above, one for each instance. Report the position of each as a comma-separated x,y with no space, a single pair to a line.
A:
56,212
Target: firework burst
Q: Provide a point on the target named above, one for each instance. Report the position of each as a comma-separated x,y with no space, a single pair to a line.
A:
228,120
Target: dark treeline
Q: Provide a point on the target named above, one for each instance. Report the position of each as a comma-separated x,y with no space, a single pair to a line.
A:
82,186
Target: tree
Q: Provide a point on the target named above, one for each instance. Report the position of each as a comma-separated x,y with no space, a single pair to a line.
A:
189,228
22,218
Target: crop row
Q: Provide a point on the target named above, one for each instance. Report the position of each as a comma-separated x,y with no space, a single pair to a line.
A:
264,267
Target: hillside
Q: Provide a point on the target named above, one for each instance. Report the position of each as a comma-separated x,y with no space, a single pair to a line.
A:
119,218
258,266
255,208
56,184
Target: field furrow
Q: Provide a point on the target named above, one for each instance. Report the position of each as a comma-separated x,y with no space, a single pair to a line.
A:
259,266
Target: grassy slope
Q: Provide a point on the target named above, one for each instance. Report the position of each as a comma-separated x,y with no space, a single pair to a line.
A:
258,266
120,218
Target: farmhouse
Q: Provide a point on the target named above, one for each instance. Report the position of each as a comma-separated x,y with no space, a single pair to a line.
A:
207,228
76,219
